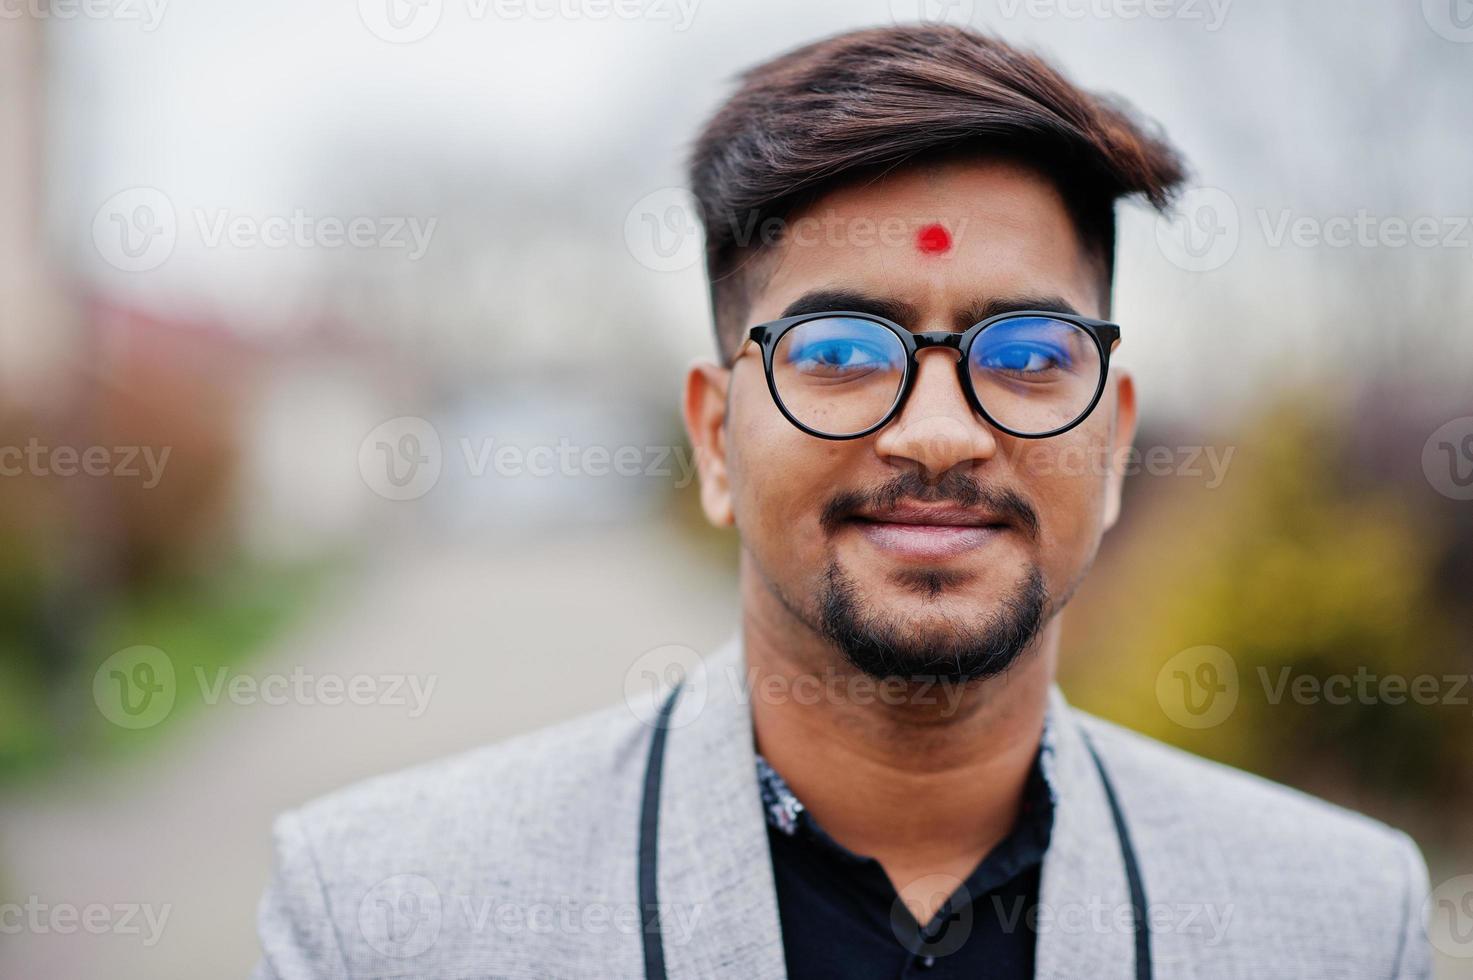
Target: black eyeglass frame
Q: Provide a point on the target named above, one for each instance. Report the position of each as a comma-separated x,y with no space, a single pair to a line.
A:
767,335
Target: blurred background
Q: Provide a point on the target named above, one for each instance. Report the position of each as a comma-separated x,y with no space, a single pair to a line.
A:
340,346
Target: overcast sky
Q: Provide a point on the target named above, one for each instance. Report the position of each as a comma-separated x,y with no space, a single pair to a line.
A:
1317,110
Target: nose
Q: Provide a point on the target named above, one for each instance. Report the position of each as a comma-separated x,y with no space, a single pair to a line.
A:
936,430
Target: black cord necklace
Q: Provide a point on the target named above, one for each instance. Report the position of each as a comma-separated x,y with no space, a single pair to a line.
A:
649,833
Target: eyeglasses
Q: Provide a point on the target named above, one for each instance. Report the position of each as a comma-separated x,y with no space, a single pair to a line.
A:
845,375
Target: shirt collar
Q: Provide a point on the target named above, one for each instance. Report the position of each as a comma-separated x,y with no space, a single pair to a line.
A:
786,814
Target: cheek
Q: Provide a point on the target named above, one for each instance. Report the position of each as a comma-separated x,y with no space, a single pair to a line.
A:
1066,479
780,477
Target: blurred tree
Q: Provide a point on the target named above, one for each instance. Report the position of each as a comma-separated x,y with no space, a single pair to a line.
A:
1298,570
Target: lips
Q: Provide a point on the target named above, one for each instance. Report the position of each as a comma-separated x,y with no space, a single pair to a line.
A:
928,533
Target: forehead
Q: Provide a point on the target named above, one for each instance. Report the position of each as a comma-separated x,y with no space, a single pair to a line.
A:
1004,231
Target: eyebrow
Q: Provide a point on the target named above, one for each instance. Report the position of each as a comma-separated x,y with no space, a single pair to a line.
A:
831,300
905,314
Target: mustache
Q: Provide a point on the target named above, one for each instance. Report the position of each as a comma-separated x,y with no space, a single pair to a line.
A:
956,487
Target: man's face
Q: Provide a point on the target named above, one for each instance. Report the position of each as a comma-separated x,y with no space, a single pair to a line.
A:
831,526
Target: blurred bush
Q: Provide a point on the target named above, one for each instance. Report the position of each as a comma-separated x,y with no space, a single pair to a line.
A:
1308,561
90,564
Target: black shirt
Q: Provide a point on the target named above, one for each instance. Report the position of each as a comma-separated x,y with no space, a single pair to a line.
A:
842,918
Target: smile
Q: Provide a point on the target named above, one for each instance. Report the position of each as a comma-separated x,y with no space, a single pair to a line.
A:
928,533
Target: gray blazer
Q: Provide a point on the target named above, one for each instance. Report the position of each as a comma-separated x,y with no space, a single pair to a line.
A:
519,860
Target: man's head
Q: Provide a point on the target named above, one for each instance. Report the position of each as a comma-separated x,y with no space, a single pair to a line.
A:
935,177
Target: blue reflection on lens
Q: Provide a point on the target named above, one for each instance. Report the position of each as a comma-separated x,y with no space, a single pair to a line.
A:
839,348
1030,348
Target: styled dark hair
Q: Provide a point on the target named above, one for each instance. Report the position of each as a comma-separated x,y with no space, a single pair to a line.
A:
858,104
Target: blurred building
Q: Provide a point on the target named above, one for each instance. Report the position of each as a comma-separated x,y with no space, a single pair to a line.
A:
37,332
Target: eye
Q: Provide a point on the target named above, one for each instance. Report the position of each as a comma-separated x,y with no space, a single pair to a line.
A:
1021,358
838,356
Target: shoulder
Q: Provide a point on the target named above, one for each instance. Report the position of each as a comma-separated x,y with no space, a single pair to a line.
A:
1161,782
1280,868
463,861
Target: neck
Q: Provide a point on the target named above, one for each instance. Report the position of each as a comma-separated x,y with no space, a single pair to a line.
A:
922,779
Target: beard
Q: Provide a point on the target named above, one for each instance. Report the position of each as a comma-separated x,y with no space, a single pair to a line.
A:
953,653
953,650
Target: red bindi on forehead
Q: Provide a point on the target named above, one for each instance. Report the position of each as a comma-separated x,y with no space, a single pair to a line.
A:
933,240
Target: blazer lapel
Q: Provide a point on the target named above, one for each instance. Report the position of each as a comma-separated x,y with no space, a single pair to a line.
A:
716,885
715,869
1084,927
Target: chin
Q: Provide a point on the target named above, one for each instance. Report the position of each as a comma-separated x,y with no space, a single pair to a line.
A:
971,587
939,632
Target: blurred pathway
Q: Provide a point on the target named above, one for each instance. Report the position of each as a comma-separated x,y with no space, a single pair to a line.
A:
516,637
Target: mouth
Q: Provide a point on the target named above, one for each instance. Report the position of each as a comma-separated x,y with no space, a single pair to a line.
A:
928,533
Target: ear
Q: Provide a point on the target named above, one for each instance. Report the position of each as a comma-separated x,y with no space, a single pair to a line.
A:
705,422
1122,435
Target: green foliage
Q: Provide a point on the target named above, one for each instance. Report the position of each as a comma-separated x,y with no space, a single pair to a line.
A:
204,623
1301,572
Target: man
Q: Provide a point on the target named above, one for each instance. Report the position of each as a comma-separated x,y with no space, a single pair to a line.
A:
910,238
